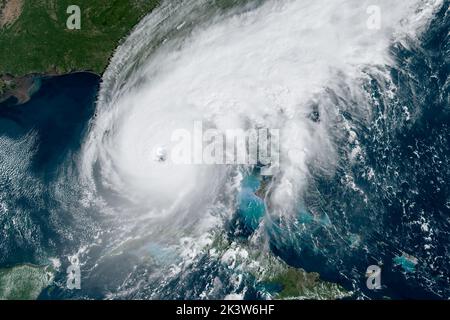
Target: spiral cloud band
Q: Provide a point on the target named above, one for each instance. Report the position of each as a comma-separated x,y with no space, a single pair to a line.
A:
275,65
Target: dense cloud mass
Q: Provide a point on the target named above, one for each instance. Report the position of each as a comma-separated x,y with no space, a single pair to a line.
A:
353,92
264,65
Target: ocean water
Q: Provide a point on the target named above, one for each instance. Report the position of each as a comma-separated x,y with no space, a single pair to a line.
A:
37,138
368,184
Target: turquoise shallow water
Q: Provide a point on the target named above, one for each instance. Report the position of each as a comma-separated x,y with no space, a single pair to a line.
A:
337,233
251,207
407,264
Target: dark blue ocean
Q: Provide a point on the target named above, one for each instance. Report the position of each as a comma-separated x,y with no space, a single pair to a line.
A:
56,117
403,225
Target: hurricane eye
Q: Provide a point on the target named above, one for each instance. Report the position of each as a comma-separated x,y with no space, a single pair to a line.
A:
160,154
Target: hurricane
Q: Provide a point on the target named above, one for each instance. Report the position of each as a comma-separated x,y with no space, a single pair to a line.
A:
356,89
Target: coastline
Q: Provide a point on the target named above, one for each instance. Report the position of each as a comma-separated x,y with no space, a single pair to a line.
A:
20,80
23,87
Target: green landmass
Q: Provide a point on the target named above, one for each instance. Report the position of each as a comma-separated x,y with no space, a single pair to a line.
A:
38,41
24,282
5,86
272,275
299,284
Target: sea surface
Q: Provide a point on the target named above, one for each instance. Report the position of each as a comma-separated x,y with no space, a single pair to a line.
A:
390,207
